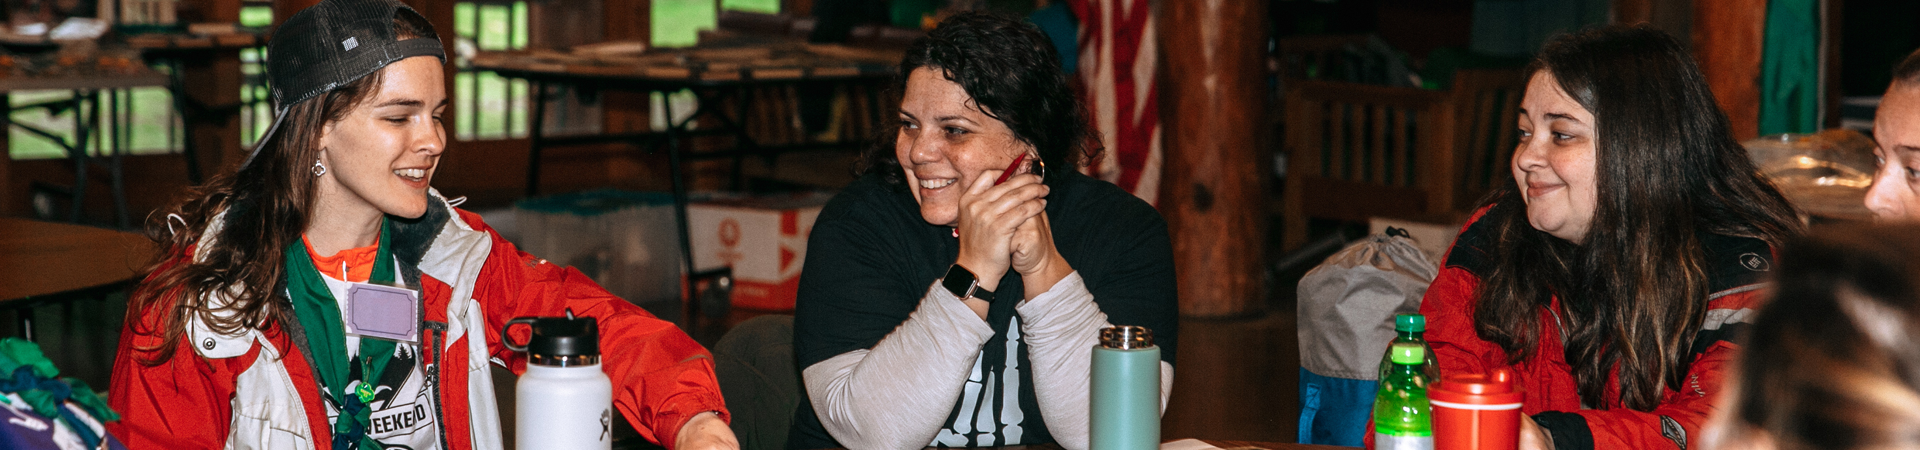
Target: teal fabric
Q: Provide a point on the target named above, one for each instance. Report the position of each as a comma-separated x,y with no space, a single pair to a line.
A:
1062,29
16,352
1790,68
907,13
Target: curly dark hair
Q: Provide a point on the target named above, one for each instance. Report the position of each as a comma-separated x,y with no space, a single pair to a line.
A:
1013,75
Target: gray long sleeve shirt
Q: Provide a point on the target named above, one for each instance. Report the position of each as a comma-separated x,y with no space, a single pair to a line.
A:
892,360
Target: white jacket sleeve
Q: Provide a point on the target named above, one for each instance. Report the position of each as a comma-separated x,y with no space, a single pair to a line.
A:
1061,327
895,395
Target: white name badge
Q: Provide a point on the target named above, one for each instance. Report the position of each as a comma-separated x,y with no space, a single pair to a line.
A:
383,312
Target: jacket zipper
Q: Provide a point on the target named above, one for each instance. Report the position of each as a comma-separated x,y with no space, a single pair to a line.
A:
435,339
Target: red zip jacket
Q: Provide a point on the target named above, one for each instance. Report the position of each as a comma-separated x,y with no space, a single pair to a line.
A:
256,388
1736,268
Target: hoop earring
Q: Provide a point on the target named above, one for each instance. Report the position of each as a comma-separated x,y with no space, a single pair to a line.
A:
319,169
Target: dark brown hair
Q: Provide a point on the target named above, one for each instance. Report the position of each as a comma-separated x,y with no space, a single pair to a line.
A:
1013,75
1634,291
1908,70
263,207
1833,361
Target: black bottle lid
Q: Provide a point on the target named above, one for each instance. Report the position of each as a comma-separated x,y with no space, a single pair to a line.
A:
560,341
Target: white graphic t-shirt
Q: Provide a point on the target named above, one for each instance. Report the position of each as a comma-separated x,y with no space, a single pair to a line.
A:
404,410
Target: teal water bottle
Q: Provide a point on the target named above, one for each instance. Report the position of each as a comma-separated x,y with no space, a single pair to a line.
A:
1126,390
1402,416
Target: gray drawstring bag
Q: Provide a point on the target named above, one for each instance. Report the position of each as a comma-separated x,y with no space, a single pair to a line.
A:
1346,309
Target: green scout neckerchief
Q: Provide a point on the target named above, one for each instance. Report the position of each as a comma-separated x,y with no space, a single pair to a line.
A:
319,314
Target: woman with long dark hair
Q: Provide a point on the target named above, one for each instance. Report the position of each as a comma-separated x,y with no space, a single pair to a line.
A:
938,308
323,296
1612,275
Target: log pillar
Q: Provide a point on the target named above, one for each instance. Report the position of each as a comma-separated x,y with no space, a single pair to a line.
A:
1727,40
215,85
627,20
6,164
1212,101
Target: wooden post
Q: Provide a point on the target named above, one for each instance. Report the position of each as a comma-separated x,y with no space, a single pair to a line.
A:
1672,16
627,20
215,84
6,164
1727,39
1212,103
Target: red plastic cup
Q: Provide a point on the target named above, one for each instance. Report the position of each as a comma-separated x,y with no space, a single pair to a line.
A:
1476,412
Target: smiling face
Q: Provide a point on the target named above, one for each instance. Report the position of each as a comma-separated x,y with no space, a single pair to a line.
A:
945,143
382,154
1895,195
1554,163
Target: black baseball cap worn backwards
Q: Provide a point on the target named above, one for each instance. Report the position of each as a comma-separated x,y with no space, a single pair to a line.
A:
334,43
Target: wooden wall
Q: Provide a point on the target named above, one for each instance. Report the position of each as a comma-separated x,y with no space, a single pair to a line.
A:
1727,40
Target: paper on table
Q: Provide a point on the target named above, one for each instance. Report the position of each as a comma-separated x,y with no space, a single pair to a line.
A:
1187,444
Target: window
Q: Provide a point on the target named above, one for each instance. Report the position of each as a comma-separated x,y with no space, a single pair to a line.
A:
487,105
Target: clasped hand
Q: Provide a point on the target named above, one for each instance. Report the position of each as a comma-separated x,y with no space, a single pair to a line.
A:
1005,227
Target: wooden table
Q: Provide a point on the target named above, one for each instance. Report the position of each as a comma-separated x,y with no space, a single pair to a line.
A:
714,75
1231,445
42,262
1273,445
1225,444
84,147
178,51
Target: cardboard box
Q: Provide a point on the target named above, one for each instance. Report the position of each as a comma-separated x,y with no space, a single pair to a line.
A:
763,238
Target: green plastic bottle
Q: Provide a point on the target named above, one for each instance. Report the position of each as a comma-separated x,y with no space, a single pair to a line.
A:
1402,417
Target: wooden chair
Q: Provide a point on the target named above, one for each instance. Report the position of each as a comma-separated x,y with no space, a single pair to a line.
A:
1358,151
1486,105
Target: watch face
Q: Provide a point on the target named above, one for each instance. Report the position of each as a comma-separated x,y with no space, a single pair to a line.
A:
959,281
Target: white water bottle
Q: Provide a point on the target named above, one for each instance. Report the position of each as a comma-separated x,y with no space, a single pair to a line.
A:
564,400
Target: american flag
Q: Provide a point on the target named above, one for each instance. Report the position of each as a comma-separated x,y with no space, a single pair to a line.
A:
1118,62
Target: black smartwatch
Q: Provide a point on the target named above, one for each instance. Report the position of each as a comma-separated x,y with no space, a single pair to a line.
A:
962,283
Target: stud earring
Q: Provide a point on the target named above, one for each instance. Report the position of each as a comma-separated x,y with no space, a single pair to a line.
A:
319,169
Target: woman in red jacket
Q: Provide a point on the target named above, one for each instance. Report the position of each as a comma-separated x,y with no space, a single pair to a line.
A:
1612,274
240,338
